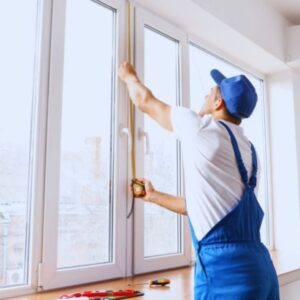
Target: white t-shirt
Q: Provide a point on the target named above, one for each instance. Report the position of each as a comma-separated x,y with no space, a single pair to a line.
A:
213,185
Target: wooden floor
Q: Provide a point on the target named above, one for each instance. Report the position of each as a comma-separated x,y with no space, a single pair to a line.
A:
181,287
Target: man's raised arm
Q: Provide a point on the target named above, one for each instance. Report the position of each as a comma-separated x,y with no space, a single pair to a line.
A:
143,98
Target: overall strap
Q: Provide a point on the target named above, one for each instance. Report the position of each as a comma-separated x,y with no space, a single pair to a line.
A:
238,155
253,179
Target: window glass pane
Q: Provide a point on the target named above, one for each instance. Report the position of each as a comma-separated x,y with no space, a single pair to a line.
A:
86,143
201,63
162,227
17,61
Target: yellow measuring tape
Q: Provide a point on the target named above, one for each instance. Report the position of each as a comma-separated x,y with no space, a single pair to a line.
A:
138,186
131,107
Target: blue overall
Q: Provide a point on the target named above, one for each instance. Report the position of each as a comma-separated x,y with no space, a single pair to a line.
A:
231,261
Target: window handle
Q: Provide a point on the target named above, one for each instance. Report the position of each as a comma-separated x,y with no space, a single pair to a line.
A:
143,134
124,131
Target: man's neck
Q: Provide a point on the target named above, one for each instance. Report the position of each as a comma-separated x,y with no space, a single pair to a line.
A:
227,118
221,116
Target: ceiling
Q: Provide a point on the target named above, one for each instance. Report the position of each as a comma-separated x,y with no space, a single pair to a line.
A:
290,9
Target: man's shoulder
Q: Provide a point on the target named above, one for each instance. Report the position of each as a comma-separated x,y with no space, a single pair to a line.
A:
208,122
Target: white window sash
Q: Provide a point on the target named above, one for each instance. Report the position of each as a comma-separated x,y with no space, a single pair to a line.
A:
50,277
142,264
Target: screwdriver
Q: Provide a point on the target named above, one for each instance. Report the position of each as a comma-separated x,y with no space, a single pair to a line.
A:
156,282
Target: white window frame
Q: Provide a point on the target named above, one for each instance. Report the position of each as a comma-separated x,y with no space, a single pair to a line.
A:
38,134
217,52
50,277
141,265
42,265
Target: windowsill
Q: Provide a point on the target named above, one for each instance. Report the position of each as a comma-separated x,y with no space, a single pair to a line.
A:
287,265
181,286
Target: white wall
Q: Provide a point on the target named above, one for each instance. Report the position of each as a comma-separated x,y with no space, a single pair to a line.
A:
254,19
293,35
296,90
284,157
224,36
290,291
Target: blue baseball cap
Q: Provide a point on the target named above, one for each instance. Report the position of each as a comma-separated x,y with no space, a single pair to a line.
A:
238,94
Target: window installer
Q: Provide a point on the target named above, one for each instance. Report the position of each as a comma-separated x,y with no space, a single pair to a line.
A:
221,169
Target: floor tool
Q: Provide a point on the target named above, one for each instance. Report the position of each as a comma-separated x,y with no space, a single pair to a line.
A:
156,282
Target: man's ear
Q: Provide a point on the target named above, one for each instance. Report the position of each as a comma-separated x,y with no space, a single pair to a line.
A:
219,103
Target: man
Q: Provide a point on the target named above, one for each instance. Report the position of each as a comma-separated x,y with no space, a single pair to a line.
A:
220,175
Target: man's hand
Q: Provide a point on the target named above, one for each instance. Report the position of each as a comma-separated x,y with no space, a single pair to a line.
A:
173,203
148,188
127,72
138,93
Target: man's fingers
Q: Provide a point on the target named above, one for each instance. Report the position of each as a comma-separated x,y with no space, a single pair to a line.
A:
125,63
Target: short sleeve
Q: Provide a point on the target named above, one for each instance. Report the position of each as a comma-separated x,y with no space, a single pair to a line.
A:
186,123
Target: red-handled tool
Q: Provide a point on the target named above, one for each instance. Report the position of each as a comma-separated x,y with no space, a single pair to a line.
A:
104,294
